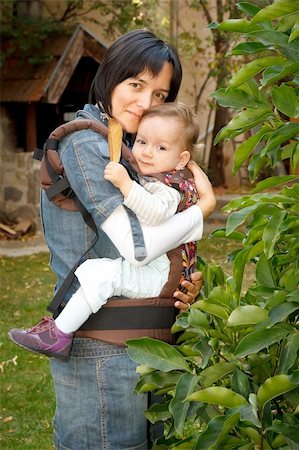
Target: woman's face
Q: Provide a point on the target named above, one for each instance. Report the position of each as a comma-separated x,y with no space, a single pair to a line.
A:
133,96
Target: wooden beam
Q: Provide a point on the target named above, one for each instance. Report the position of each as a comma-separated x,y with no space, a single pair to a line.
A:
65,68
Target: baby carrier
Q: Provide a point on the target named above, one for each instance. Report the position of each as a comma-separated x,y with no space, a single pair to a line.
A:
128,318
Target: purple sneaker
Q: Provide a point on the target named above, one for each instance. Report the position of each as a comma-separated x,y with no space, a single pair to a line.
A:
44,338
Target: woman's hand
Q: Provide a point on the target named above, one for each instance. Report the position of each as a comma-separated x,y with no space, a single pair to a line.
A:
207,199
191,292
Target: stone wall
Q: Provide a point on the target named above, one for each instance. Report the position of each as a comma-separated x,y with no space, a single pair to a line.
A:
19,176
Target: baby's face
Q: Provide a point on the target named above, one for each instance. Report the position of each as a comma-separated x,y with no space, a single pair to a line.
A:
160,145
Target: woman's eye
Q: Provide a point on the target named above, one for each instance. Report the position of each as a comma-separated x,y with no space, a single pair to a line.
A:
135,85
161,97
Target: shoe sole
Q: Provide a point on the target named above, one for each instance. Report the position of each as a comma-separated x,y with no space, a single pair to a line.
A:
43,352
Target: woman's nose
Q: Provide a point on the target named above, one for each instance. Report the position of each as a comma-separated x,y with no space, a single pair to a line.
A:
144,100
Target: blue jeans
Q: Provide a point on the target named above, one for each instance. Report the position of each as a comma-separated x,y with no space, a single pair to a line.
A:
96,408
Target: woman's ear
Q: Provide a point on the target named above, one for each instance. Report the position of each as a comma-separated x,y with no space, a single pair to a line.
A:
183,160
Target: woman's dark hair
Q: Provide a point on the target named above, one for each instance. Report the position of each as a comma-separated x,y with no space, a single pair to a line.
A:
131,54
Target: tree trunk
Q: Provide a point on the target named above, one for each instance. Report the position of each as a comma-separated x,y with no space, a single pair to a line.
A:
216,160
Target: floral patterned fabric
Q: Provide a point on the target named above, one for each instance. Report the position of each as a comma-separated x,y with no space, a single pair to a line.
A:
186,187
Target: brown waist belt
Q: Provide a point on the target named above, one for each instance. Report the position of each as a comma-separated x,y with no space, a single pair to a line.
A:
116,324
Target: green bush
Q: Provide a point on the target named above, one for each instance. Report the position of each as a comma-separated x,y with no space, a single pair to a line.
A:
231,381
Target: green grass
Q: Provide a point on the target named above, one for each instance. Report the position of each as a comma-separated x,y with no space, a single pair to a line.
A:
27,400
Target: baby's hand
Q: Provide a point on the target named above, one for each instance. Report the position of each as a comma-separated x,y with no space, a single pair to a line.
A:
116,173
119,177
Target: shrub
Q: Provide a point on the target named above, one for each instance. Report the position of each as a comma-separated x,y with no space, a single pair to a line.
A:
231,381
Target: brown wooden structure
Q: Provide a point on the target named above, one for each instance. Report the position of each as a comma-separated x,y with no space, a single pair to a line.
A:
40,97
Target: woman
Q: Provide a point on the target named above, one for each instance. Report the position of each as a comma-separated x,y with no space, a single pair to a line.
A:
96,408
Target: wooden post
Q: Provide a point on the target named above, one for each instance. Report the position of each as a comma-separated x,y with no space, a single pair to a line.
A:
30,127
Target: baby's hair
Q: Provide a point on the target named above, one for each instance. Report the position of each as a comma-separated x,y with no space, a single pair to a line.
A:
182,114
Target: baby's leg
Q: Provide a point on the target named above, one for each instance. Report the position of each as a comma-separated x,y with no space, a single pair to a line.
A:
103,278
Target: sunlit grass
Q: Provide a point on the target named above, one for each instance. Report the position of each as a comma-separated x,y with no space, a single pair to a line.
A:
27,400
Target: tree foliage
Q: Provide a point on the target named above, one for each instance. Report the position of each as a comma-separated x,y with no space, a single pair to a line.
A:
27,31
240,389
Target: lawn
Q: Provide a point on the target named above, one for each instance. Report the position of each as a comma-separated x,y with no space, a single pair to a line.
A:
27,400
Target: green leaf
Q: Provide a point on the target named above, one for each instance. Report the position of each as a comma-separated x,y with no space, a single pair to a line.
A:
244,150
287,23
220,233
178,406
156,354
234,25
235,98
248,413
286,100
243,121
158,411
254,436
248,48
273,74
248,8
295,32
281,312
246,315
253,68
240,383
157,380
210,308
257,340
289,353
280,40
275,386
215,372
272,230
241,259
295,158
237,218
281,135
256,164
271,182
205,350
197,319
217,430
219,296
218,395
264,272
288,430
293,296
278,9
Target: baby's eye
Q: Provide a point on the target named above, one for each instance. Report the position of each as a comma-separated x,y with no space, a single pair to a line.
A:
161,148
140,141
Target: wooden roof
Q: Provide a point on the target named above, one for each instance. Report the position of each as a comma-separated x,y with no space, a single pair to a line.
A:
23,82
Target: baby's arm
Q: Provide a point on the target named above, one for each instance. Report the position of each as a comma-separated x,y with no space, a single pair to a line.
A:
207,199
152,203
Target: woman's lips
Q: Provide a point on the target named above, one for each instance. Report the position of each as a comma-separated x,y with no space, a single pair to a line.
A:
137,116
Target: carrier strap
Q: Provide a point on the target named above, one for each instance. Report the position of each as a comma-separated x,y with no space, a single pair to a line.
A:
61,185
